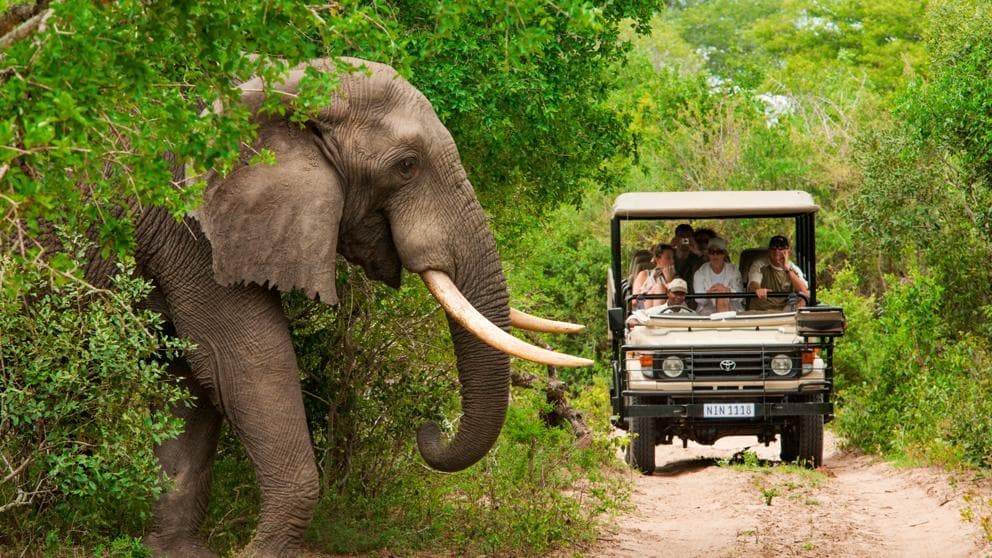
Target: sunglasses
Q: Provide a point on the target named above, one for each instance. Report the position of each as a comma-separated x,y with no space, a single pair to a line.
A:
713,252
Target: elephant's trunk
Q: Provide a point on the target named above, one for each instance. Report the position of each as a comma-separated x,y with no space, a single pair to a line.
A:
483,371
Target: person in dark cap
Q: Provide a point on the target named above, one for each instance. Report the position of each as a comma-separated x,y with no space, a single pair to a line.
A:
776,274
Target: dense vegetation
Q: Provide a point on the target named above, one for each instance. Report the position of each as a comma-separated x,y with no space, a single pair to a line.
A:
880,109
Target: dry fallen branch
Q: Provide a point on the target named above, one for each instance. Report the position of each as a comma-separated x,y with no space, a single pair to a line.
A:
555,390
29,27
18,14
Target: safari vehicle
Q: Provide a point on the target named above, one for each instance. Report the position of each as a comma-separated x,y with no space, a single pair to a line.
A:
701,378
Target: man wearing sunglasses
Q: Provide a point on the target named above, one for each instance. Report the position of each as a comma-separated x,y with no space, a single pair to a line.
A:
777,274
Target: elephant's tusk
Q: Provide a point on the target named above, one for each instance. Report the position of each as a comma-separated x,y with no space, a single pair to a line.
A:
523,320
462,311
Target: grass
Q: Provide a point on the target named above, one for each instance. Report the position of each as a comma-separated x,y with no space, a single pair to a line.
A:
774,479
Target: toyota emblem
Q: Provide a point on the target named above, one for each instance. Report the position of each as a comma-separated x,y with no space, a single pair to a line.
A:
727,365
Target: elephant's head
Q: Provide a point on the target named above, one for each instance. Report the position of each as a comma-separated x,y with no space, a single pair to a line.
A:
376,177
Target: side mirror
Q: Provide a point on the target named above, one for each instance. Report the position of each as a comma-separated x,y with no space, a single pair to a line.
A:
615,316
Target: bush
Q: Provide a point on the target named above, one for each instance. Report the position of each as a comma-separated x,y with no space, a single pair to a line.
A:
906,382
83,389
533,492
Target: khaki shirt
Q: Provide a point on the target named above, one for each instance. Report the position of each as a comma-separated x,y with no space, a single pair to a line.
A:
773,279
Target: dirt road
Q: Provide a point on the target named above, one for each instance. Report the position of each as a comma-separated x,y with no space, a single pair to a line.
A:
853,506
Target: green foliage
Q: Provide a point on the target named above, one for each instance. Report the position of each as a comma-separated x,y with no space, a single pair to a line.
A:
914,207
123,547
953,111
533,492
521,85
877,42
376,368
82,399
906,383
764,44
98,103
558,269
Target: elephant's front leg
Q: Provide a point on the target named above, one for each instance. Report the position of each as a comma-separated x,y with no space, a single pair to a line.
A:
245,352
187,461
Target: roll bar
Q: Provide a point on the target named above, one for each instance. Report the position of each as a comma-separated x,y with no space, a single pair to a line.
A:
772,294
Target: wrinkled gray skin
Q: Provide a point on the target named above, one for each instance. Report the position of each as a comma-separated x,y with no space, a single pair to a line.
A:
375,177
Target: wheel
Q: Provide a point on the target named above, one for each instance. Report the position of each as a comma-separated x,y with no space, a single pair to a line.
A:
640,452
810,440
803,440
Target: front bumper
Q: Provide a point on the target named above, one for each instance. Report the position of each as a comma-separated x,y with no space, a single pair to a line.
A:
761,410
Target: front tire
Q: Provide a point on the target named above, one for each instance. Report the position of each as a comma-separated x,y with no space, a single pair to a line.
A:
810,440
640,452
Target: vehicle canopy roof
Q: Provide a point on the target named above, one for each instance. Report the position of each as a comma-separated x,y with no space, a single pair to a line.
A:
713,204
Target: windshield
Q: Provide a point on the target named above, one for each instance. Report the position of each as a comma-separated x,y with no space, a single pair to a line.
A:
714,266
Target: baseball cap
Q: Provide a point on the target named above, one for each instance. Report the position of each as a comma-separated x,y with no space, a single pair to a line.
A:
678,285
778,241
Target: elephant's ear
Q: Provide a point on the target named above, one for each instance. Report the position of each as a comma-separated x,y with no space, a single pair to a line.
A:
277,225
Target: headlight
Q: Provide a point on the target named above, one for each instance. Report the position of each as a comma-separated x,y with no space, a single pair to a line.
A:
672,367
781,365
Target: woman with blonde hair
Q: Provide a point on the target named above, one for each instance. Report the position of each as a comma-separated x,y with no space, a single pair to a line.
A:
654,281
641,260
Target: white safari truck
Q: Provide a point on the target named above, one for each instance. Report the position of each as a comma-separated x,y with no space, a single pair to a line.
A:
700,378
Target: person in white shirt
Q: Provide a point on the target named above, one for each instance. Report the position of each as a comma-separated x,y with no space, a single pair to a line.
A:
718,276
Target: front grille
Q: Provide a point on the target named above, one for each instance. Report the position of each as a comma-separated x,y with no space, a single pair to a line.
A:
703,364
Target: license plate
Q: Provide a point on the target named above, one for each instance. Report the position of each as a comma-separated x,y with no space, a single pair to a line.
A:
728,410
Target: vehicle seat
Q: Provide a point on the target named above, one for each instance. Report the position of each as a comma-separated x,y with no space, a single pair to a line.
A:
748,257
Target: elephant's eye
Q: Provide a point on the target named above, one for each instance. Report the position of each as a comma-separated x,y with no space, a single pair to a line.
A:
407,166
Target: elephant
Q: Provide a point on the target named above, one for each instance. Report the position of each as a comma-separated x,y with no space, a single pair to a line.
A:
375,177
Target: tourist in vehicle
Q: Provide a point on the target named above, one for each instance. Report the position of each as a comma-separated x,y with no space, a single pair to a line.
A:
702,238
655,281
688,256
776,274
641,260
718,276
675,304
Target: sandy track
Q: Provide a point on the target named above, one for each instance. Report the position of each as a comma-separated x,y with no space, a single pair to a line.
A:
858,506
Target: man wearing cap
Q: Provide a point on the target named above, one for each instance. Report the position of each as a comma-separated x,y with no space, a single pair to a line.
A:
718,276
677,289
777,274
